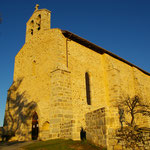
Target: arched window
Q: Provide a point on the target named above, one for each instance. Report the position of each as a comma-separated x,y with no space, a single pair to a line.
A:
31,31
31,26
45,126
87,82
39,22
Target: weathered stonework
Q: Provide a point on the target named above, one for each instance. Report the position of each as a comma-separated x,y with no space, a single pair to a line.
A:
96,127
49,80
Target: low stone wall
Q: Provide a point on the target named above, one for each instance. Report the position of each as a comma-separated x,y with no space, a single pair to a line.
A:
96,127
132,139
146,135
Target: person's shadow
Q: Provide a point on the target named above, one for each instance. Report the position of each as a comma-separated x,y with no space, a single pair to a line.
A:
83,134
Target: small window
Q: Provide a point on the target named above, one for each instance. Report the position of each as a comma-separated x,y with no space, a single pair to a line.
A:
31,31
38,22
32,23
88,94
31,26
39,16
39,27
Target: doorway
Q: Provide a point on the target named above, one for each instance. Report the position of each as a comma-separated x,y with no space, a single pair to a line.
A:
35,126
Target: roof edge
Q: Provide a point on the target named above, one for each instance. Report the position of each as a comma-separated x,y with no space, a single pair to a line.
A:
97,49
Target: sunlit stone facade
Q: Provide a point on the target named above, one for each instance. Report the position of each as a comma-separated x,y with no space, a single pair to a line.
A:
64,83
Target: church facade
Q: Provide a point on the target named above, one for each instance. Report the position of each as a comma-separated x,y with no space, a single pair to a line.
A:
64,84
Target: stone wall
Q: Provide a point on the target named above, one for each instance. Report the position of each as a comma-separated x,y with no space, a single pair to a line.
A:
82,60
96,127
61,112
111,80
66,130
33,65
146,135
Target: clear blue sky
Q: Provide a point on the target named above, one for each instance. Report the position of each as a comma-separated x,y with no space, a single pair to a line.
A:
120,26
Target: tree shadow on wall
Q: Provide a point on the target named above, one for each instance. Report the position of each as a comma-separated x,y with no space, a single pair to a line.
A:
130,134
18,112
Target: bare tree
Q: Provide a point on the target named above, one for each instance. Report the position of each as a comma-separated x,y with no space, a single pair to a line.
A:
130,134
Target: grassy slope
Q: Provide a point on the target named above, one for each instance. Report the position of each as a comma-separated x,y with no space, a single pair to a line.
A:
61,145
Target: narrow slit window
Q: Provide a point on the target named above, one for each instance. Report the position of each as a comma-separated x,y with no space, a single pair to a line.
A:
88,94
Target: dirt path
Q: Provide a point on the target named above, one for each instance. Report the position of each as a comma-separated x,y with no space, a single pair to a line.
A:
14,145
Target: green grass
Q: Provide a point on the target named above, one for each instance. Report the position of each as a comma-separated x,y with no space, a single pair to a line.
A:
60,144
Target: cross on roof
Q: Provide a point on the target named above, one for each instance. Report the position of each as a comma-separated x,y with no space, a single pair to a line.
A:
37,6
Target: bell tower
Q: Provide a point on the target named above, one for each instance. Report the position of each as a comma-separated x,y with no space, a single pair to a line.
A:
39,21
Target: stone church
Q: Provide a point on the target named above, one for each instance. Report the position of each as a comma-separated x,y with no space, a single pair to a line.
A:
64,85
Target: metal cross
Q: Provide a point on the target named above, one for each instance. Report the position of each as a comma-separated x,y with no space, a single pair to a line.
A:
36,7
